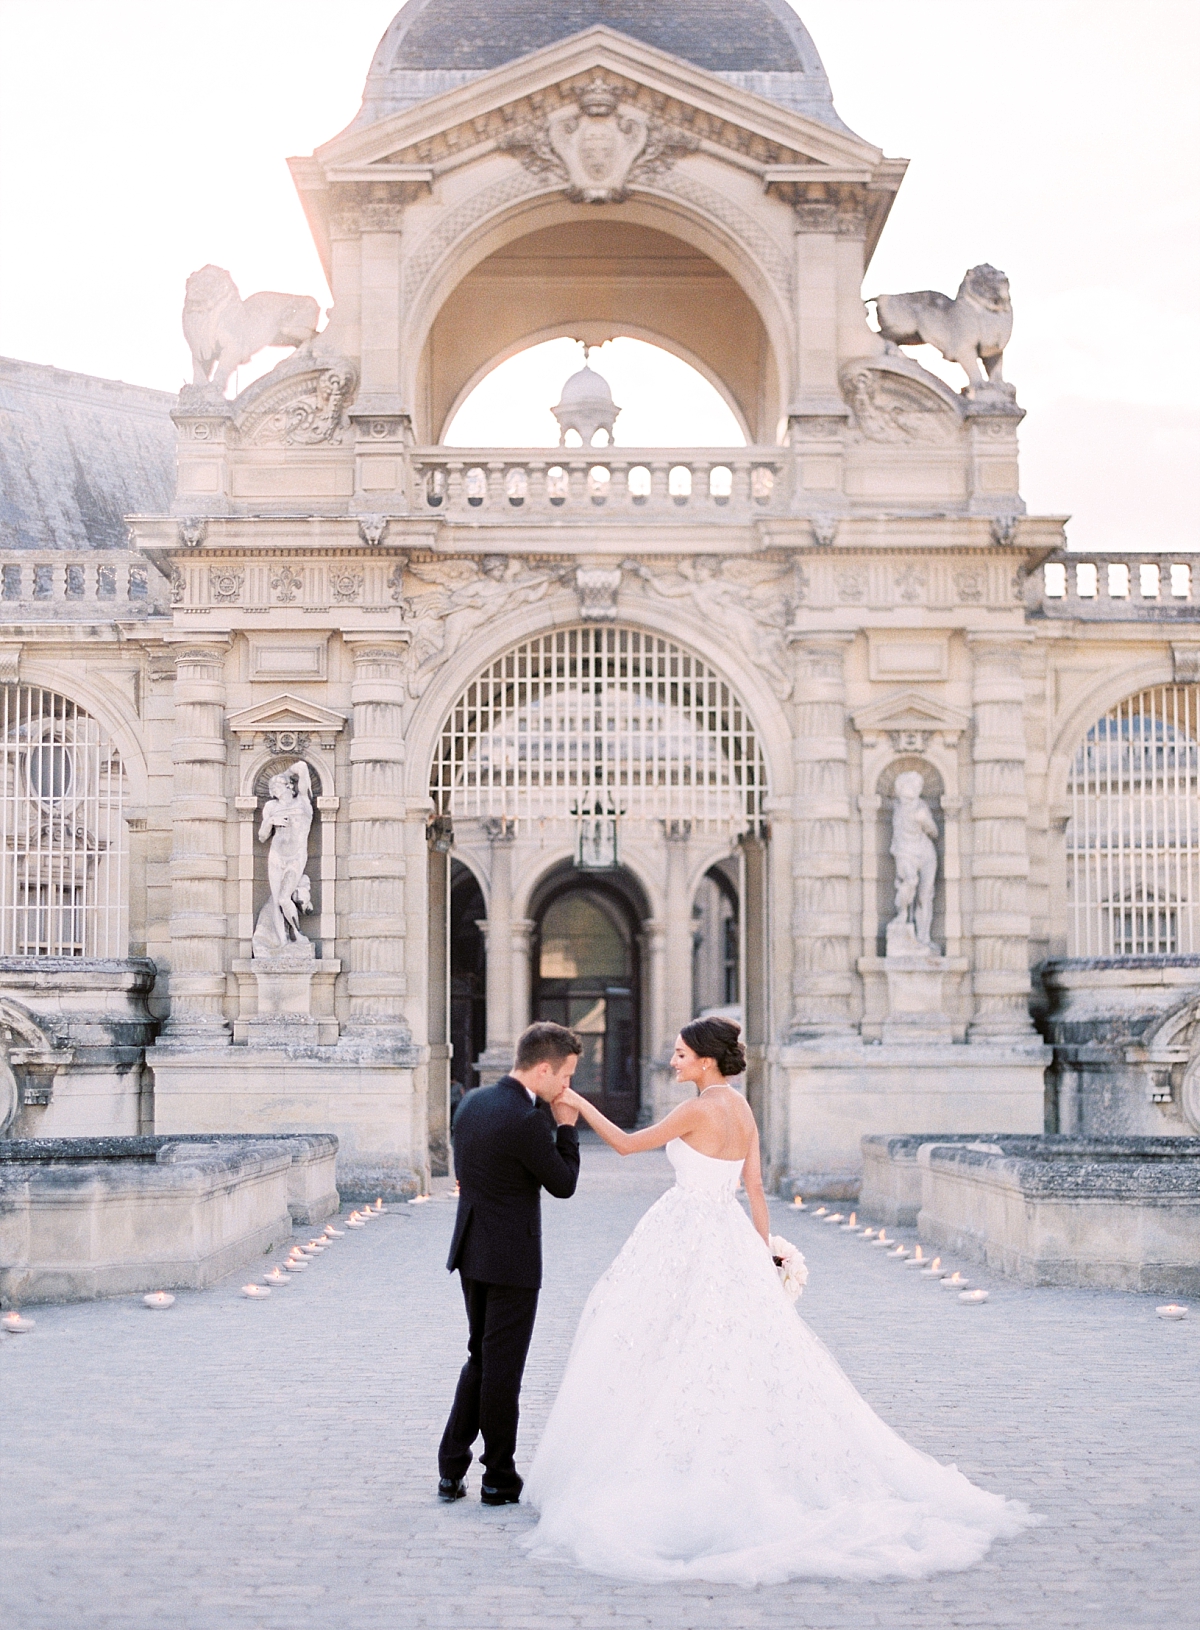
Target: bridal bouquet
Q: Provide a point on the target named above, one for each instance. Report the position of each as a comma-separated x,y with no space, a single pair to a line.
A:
793,1271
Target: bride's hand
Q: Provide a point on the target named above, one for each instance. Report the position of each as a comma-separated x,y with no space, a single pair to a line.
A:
570,1099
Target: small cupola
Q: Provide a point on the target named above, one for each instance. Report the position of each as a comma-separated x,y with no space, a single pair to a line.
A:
587,407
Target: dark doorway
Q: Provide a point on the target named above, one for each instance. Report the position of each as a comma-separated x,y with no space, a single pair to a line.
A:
586,976
468,976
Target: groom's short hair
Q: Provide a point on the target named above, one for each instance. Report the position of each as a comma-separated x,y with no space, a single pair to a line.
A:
545,1043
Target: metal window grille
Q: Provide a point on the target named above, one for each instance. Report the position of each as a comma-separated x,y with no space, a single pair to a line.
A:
611,715
62,832
1133,838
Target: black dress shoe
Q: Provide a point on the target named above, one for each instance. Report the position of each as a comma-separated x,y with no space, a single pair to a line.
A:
505,1496
451,1488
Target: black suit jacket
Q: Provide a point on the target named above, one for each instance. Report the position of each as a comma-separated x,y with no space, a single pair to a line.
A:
506,1151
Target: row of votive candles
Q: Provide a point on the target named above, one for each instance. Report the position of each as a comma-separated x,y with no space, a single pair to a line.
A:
896,1252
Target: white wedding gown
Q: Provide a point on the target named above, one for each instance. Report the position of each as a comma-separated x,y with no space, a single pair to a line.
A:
703,1432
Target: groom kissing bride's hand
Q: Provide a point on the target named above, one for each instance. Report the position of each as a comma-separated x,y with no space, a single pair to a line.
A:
506,1151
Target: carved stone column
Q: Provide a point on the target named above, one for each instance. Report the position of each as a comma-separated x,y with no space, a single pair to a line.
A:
199,925
822,981
522,981
376,866
498,932
1000,858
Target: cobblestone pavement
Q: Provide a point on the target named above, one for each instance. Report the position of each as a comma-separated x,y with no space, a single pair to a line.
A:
238,1465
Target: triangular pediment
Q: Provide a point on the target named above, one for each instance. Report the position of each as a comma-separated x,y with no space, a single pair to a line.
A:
597,49
910,710
686,110
286,712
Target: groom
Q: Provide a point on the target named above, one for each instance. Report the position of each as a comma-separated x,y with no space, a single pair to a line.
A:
507,1148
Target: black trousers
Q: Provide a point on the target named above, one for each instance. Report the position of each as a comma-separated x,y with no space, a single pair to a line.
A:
500,1321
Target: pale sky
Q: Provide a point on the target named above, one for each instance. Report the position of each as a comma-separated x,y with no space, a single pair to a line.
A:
1059,139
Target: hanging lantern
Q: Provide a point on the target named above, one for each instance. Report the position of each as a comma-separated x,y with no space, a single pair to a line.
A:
596,840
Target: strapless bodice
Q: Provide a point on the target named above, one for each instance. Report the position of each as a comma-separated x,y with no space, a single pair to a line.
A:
703,1173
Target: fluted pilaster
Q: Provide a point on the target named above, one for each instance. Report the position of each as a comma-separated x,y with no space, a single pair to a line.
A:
999,829
822,980
199,925
376,865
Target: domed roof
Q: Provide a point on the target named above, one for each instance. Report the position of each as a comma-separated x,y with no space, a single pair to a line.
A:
586,386
434,45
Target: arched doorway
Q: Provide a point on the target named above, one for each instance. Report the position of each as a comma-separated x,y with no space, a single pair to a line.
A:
586,976
468,975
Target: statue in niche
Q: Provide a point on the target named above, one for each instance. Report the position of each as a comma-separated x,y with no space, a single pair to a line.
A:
914,849
286,822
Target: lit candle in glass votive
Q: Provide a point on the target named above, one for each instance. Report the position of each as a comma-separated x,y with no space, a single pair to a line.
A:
934,1270
16,1323
851,1227
955,1281
277,1276
882,1239
1172,1310
917,1260
798,1203
972,1296
256,1292
821,1211
900,1252
159,1298
868,1233
834,1217
334,1233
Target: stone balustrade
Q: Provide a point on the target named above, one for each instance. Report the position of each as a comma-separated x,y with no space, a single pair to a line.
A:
495,486
70,585
1116,588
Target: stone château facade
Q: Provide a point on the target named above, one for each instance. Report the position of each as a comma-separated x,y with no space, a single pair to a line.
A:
598,733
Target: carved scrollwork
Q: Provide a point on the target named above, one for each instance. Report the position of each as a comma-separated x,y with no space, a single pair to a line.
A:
286,583
302,403
890,406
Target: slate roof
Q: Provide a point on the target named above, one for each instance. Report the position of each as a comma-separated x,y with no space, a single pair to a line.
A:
78,454
433,46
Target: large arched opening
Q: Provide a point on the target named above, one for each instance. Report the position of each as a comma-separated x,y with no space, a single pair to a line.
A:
594,280
606,790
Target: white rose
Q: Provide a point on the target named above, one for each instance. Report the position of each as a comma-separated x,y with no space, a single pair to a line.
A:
793,1271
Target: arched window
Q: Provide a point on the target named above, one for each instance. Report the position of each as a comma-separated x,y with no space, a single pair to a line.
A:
1133,838
62,831
590,720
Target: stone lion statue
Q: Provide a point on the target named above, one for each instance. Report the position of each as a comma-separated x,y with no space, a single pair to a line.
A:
224,331
974,327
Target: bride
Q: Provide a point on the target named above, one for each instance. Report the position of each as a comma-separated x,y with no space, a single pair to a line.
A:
701,1430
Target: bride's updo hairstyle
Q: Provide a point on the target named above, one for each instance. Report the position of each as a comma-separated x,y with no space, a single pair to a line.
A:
717,1039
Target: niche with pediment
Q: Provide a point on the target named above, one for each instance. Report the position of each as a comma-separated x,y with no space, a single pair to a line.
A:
932,789
281,762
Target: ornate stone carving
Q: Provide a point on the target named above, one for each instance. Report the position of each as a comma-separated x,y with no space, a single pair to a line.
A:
368,206
851,584
890,406
345,583
914,849
396,583
746,601
225,584
285,741
600,147
824,529
286,820
1004,528
286,583
486,200
974,327
453,598
224,331
178,586
372,529
302,403
597,594
911,582
1187,664
192,532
